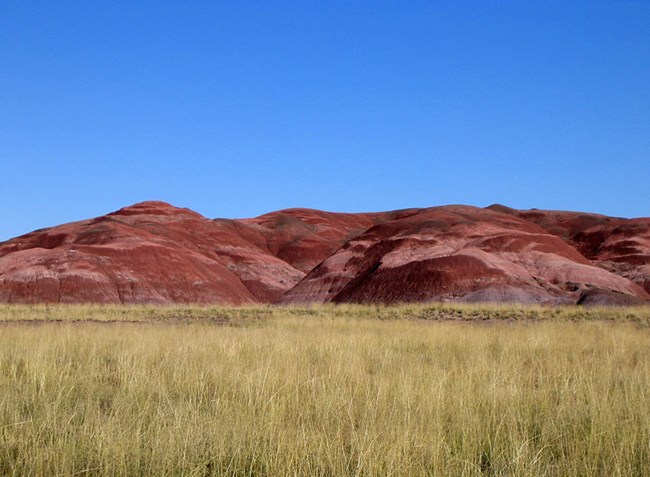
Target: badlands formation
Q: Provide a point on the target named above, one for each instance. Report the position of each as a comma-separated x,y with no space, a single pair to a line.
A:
153,252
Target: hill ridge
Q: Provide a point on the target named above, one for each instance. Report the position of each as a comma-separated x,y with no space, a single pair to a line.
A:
154,252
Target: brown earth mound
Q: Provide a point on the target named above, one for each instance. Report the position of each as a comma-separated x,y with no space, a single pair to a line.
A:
153,252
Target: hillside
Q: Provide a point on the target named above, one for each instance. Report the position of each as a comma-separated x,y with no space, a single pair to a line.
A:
152,252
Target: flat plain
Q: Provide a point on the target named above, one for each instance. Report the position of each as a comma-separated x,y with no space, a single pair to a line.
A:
327,390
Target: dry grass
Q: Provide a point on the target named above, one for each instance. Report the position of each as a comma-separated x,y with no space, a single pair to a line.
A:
251,314
324,391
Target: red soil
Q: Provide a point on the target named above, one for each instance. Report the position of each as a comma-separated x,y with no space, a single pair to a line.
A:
153,252
457,253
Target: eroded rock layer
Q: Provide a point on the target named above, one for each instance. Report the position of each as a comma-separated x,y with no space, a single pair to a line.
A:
147,253
153,252
457,253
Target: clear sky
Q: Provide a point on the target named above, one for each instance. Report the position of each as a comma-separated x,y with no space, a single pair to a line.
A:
234,109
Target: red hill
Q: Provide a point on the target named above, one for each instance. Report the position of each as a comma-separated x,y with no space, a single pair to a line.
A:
458,253
147,253
153,252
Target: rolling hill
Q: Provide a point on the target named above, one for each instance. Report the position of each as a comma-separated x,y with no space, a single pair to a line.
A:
153,252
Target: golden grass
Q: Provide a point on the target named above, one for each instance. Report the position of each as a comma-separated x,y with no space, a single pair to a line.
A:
324,391
247,314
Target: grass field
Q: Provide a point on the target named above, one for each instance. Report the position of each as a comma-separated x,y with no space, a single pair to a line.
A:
324,391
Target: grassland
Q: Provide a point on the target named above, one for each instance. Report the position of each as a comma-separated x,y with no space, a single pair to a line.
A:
324,391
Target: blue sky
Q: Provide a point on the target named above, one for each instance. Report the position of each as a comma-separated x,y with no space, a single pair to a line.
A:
238,108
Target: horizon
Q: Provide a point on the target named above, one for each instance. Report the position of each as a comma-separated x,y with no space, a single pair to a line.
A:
207,217
239,110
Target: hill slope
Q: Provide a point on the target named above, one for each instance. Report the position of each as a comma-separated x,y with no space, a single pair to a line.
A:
458,253
156,253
